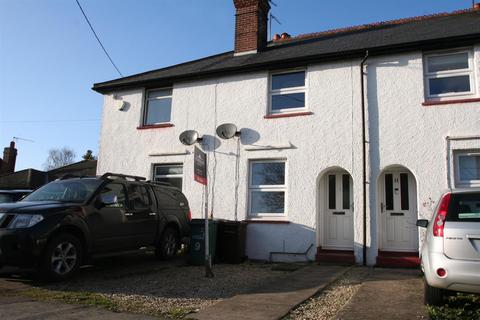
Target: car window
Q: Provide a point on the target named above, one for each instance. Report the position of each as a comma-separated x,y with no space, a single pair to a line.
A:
118,191
166,198
464,207
138,197
5,197
74,190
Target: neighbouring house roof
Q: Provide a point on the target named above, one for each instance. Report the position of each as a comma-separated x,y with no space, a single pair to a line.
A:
32,179
425,32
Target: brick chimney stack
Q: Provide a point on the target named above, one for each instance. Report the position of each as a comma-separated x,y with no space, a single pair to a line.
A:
251,20
9,158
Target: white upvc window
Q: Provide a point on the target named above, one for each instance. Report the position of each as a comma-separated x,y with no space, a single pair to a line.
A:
158,106
267,188
449,74
287,91
169,173
467,168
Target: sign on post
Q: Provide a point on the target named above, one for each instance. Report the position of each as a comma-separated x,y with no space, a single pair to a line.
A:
200,166
200,175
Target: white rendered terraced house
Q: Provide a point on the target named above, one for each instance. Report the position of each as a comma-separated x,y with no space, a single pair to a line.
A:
303,177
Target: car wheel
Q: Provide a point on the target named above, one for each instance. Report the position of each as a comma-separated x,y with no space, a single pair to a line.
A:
433,296
62,257
168,244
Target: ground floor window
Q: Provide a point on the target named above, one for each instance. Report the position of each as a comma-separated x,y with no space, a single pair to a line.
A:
467,168
267,188
169,173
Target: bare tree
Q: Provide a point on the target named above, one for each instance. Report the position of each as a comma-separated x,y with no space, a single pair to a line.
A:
59,157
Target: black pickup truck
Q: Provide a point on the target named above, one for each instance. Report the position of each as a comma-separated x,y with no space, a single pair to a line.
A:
64,223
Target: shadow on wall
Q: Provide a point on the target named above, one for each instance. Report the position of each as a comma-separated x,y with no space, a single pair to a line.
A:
249,136
283,239
210,143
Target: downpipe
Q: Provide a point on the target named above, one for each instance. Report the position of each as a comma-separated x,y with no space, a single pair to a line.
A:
364,158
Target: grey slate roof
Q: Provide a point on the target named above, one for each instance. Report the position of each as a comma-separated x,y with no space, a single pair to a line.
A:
427,32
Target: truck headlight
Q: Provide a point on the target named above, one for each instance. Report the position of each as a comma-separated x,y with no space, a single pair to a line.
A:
25,221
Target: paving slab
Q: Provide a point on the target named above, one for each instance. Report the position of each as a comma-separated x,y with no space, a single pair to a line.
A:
275,300
387,294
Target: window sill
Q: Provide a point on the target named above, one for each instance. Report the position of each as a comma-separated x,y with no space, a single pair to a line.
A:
453,101
155,126
267,221
286,115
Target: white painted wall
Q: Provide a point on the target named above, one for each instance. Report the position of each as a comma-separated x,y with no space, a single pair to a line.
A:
401,132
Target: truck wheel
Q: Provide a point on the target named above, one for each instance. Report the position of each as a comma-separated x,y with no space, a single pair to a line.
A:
168,244
433,296
62,257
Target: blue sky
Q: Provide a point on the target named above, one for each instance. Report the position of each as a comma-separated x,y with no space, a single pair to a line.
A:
49,58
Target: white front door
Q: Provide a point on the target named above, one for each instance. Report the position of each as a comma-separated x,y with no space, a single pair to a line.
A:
338,219
398,212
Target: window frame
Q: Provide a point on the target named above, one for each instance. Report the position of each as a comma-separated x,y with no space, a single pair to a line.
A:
464,183
167,176
145,108
266,188
470,71
275,92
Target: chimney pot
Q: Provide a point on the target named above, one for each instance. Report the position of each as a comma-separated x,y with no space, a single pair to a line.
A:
9,159
250,25
285,36
476,6
276,37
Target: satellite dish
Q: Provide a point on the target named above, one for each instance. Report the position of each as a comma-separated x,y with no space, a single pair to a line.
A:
189,137
121,105
227,131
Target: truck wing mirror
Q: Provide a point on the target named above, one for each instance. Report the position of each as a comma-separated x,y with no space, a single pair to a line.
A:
108,199
422,223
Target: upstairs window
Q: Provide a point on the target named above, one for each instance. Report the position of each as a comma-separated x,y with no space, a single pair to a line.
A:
158,107
287,92
467,168
449,74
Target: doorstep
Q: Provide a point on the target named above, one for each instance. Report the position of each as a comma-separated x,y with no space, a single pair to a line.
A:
335,256
391,259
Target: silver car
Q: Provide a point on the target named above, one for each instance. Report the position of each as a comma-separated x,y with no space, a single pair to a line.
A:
451,252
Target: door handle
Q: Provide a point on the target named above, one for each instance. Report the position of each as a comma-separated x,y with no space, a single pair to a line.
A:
152,214
128,214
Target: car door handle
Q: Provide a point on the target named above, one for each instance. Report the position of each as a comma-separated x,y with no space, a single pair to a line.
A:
152,214
128,214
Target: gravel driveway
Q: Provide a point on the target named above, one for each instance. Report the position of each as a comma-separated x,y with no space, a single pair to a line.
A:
142,284
327,303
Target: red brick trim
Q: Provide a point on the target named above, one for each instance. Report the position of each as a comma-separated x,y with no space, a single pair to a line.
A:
286,115
155,126
438,102
268,221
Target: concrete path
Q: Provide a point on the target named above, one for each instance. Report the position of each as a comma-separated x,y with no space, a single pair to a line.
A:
387,294
17,307
274,300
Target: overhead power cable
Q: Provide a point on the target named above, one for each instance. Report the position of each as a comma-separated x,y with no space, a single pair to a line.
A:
98,39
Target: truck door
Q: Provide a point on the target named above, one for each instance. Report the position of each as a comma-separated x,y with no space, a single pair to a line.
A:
142,215
107,223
